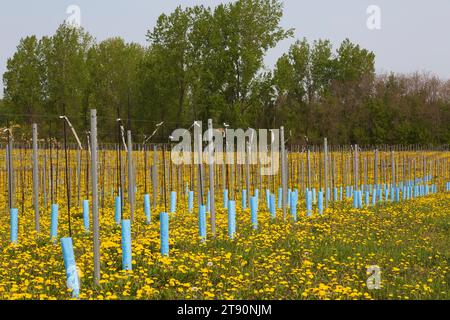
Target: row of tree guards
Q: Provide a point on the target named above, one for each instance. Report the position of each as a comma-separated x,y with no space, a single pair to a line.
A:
120,175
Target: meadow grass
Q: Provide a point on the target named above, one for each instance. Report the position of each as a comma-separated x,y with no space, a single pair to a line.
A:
320,257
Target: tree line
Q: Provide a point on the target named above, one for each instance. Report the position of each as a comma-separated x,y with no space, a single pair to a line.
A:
202,63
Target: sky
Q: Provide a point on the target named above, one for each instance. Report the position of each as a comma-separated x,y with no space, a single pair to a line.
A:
405,35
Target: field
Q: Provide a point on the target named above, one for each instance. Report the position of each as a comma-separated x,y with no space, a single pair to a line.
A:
319,256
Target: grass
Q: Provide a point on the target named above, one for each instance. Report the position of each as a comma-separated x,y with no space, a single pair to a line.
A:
322,257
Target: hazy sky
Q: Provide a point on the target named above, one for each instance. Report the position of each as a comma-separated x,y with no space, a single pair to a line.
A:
414,34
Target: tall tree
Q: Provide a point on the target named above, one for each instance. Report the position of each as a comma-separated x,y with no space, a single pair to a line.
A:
204,63
66,74
246,29
113,67
208,63
167,65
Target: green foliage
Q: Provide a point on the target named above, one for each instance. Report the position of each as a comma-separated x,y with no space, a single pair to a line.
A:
321,93
23,78
203,63
66,79
113,77
206,63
